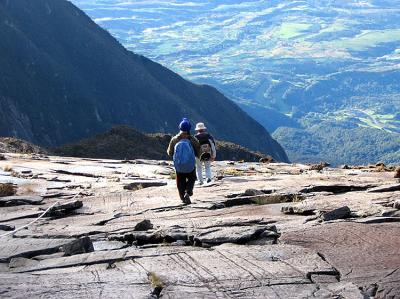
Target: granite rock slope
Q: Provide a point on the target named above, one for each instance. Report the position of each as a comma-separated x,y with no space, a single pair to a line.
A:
257,231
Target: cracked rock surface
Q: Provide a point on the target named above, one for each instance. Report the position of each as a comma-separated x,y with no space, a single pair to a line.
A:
118,229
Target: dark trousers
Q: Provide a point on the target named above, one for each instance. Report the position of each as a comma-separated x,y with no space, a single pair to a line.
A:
185,183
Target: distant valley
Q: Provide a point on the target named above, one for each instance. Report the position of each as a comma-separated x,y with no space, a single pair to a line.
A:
304,65
64,78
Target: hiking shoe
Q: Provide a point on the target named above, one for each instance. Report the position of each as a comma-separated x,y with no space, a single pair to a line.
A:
208,181
186,199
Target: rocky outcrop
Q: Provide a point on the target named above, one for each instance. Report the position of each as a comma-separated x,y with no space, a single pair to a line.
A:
20,200
63,209
271,230
357,259
339,213
385,188
15,145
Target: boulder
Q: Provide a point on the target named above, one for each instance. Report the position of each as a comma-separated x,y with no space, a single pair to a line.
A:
144,238
396,204
82,245
143,225
64,209
340,213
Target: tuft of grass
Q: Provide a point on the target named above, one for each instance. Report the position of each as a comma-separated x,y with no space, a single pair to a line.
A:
7,168
7,189
277,198
27,189
172,176
233,171
156,283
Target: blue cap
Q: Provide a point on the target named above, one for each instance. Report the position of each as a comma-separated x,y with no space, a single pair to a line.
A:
185,125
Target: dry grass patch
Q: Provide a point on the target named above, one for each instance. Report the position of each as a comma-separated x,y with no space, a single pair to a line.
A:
156,283
27,189
155,280
7,189
7,168
233,171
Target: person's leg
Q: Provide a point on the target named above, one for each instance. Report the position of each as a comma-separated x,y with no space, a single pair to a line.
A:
207,165
199,170
191,179
181,184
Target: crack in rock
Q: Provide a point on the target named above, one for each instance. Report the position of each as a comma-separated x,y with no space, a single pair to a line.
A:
336,188
8,201
143,184
258,199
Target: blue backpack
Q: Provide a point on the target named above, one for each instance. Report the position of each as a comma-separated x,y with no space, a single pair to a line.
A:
184,158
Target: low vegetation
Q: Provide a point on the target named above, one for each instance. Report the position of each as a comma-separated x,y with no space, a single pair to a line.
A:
233,171
156,283
27,189
123,142
7,168
15,145
7,189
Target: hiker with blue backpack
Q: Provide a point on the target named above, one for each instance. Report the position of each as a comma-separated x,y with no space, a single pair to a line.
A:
184,148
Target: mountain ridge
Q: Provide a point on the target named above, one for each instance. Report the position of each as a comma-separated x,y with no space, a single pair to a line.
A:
288,64
65,78
123,142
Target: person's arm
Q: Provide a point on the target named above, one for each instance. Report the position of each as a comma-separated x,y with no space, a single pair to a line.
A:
213,149
196,146
171,146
